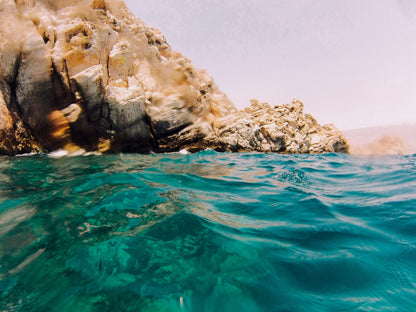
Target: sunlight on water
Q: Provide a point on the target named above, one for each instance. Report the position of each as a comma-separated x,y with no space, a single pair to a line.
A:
207,232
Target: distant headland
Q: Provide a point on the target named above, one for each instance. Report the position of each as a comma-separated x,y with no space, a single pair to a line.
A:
383,140
88,75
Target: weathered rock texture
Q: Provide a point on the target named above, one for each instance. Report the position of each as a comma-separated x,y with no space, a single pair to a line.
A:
88,74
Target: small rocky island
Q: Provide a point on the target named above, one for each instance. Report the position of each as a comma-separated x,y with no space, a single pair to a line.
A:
88,75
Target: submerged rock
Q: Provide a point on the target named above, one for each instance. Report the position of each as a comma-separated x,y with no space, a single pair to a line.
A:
88,74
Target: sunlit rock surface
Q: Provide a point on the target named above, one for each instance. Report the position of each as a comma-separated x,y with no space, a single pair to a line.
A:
261,127
88,75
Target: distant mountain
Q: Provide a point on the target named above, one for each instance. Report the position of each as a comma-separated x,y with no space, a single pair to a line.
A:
395,139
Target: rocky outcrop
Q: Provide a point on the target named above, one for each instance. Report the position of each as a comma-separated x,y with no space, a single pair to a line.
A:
260,127
79,74
282,128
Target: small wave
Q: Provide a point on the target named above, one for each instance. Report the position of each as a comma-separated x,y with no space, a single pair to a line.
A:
60,153
207,232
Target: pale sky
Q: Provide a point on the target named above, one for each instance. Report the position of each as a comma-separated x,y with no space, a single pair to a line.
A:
352,62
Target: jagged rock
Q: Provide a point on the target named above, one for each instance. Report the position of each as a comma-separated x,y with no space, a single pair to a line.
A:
282,128
90,85
89,75
5,118
98,4
14,137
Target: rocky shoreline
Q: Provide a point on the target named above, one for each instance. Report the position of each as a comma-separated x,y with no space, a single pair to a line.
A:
88,75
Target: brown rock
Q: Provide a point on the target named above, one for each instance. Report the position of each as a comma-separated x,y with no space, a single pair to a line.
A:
88,74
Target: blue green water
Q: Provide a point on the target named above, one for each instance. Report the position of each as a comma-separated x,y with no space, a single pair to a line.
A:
208,232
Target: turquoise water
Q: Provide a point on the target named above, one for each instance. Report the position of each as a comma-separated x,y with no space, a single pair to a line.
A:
208,232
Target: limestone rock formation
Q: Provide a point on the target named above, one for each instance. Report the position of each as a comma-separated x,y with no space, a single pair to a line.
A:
283,128
260,127
87,74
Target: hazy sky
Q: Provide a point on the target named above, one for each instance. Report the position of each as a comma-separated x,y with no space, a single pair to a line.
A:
352,62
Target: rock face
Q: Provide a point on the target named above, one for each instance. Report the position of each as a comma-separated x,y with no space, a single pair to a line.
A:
87,74
283,128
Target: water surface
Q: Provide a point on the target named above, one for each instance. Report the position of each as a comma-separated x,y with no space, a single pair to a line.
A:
208,232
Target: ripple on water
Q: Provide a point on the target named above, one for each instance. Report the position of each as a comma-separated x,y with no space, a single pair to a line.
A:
207,232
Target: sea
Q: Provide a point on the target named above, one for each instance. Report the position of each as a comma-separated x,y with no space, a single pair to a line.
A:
208,232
